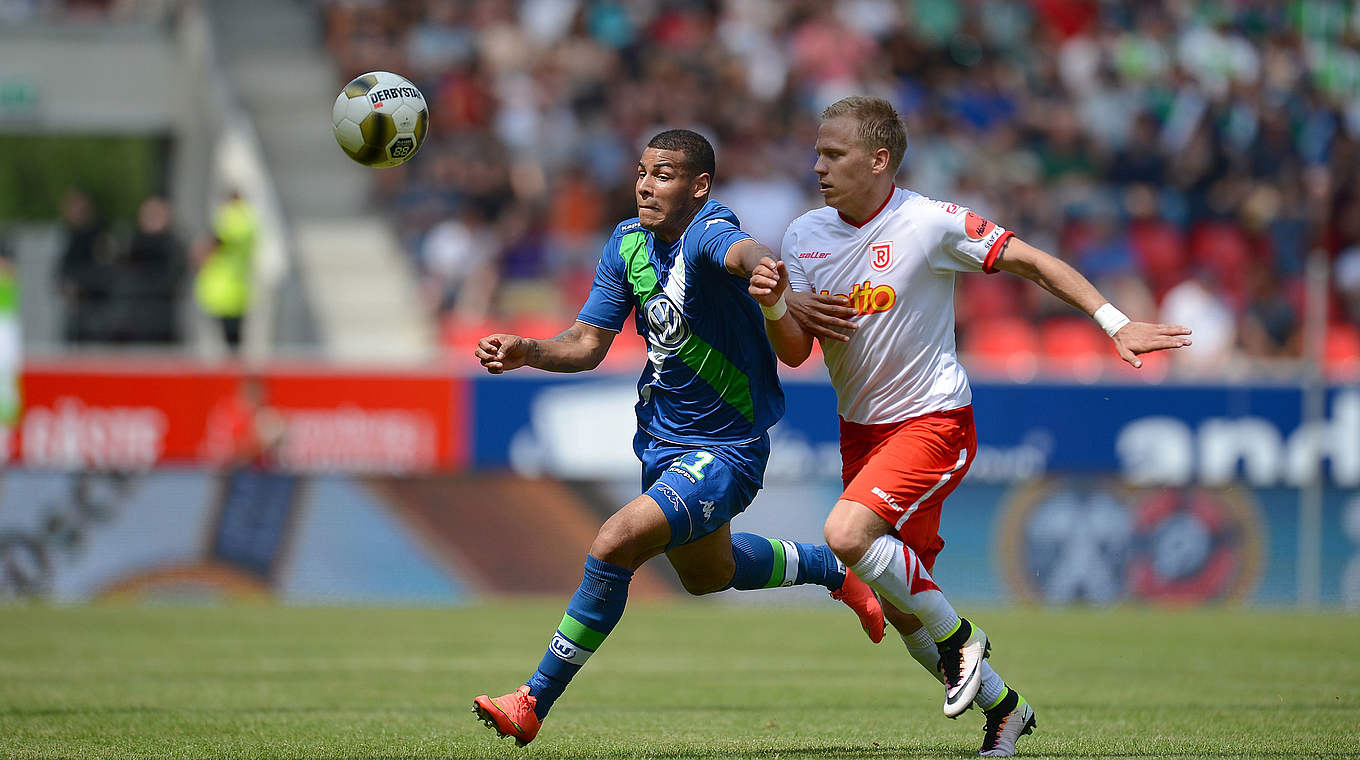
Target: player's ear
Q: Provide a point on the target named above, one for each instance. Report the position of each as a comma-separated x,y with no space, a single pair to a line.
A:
701,185
881,159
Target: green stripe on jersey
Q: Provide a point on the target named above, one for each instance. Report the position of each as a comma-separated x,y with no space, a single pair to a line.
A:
777,571
581,634
633,249
733,385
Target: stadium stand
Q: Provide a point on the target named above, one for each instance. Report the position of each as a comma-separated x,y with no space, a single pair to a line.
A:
1162,140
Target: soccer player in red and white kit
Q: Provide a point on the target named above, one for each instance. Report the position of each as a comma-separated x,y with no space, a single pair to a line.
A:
872,276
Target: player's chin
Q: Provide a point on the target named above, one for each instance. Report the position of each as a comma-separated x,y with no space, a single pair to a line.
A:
650,218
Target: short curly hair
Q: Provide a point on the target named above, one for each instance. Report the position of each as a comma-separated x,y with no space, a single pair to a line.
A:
697,150
879,125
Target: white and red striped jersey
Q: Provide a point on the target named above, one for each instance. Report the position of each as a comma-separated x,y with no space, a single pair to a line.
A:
898,270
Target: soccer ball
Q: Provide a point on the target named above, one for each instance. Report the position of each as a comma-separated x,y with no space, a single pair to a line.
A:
380,119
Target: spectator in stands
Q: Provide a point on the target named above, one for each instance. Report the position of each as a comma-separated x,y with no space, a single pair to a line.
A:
148,280
1198,301
85,269
458,264
226,269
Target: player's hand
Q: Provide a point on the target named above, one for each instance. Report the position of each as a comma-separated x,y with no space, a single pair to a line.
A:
823,315
502,353
768,280
1144,337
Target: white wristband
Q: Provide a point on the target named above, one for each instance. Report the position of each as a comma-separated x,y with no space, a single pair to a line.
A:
776,312
1110,319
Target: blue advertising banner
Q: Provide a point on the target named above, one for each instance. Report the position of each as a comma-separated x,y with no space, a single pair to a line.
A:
575,426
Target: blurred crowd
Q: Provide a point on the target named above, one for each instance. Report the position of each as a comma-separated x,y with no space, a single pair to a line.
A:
1187,156
119,285
124,285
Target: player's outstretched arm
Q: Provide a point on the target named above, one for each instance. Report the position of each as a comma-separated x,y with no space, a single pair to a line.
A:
578,348
1059,278
770,287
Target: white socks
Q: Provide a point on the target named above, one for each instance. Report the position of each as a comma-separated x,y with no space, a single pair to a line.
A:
921,647
895,571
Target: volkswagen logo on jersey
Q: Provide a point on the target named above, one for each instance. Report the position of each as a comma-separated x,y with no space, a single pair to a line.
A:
666,325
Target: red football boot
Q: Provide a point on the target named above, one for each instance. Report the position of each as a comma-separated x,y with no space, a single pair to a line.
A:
857,595
511,715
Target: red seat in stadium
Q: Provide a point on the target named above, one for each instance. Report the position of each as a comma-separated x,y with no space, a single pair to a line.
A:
985,298
1341,352
1222,250
1160,251
1074,347
459,336
1005,346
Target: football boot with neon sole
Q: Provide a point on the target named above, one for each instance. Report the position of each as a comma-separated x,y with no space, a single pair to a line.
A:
1006,723
511,715
961,657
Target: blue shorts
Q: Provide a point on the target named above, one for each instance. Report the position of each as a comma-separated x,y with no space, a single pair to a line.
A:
700,487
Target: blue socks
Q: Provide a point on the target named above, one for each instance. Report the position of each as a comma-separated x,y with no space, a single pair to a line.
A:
592,613
772,562
598,603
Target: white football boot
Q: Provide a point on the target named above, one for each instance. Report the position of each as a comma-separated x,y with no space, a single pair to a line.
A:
1006,723
961,657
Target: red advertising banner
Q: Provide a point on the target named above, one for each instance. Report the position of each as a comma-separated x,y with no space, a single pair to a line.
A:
110,415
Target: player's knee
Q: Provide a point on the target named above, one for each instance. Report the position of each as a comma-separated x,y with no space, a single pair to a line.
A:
707,579
616,543
846,541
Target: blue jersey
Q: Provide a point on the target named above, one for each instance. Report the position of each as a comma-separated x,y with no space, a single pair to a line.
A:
710,375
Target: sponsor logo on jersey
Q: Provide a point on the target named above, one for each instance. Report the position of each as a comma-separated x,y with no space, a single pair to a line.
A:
880,255
952,208
867,298
814,254
708,508
977,227
667,328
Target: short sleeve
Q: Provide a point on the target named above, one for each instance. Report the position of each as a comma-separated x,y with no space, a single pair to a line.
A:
715,237
959,240
788,251
610,300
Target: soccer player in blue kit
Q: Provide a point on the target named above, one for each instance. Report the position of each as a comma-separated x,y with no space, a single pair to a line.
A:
706,398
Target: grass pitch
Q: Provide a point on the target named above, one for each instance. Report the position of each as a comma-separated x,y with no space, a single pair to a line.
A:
690,680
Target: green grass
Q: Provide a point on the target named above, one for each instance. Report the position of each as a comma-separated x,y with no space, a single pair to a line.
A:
691,680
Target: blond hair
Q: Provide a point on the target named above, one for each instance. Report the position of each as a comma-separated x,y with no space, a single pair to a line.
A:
879,125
